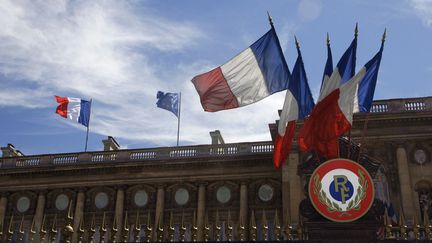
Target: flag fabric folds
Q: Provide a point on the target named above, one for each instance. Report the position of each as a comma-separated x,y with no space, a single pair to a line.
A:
75,109
333,116
168,101
252,75
327,121
297,105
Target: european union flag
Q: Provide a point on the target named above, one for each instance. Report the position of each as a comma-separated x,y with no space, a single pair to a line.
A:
168,101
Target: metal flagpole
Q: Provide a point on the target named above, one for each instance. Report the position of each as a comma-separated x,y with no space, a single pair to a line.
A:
88,125
178,119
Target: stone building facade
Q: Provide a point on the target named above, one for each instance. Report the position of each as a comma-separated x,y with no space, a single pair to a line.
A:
206,192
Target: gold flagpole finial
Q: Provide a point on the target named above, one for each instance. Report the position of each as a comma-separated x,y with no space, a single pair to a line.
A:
356,30
270,19
328,39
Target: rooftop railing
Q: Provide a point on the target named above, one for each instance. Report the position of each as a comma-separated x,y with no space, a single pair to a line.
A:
137,155
402,105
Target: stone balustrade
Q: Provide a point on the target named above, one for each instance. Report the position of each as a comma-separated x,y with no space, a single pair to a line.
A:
133,155
402,105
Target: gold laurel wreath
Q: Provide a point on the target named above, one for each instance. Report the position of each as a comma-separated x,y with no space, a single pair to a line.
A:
332,206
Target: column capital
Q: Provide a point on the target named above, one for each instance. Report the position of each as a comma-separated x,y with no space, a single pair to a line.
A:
42,192
121,187
81,189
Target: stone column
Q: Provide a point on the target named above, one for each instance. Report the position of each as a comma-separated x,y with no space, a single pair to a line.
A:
40,208
243,214
406,190
160,201
201,212
295,187
243,203
119,211
3,205
78,214
285,194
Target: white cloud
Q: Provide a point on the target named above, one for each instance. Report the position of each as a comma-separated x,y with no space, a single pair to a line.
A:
104,50
309,10
423,9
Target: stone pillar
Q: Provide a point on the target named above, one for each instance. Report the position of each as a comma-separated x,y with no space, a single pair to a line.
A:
78,214
285,194
40,208
3,205
201,212
406,191
160,201
119,211
243,214
295,187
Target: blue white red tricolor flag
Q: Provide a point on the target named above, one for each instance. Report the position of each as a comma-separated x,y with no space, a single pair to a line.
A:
333,115
297,105
168,101
252,75
75,109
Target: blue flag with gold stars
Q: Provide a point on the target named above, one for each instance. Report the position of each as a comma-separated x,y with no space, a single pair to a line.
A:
168,101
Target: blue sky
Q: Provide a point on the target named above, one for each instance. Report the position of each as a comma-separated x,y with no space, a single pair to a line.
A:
120,53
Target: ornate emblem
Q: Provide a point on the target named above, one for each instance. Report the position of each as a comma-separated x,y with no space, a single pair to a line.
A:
341,190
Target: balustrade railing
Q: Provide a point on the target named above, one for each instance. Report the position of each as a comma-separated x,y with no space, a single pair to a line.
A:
402,105
165,153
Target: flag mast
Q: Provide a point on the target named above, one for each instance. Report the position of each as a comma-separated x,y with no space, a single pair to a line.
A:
178,119
88,125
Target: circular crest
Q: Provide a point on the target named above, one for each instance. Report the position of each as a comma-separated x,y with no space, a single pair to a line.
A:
341,190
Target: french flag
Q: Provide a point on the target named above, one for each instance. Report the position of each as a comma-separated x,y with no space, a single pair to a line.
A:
325,124
333,115
252,75
75,109
297,105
